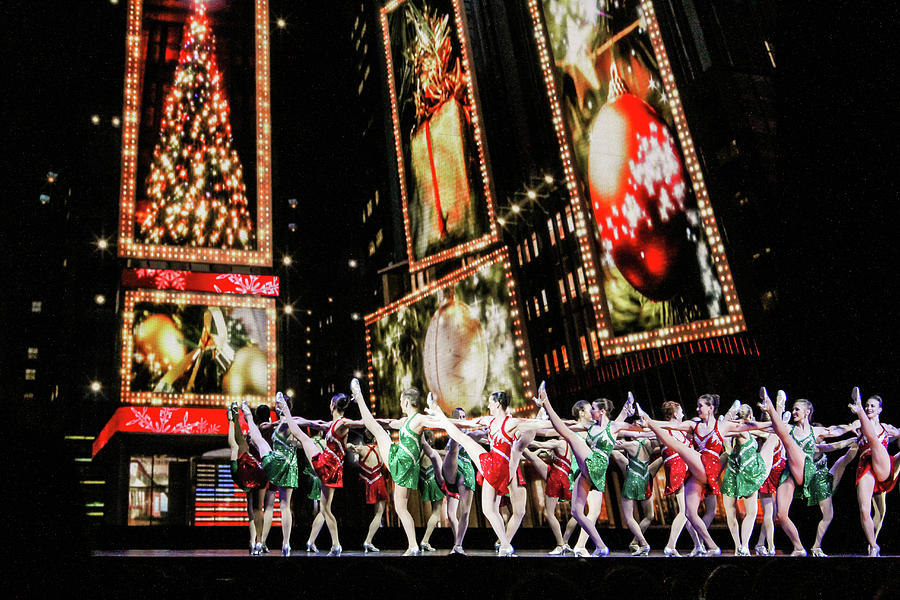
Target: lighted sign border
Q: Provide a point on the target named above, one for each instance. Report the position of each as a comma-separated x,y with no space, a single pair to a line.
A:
131,248
499,255
493,235
728,324
132,297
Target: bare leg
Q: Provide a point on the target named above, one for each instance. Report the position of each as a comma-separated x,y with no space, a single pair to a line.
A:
881,460
633,526
621,461
287,522
401,505
382,438
879,506
767,531
864,491
731,519
827,508
552,522
517,497
330,520
268,514
449,465
251,518
255,436
316,527
594,505
539,465
433,518
465,508
588,521
375,523
258,513
709,510
784,496
678,522
795,455
690,456
693,490
751,508
840,465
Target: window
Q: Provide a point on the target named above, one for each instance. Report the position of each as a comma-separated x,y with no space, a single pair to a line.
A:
571,280
519,252
550,229
562,291
32,353
581,283
547,363
30,374
534,243
527,253
544,298
559,227
36,306
569,220
595,346
555,362
537,307
565,357
148,489
585,355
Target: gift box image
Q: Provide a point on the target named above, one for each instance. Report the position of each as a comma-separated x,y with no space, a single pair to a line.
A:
441,205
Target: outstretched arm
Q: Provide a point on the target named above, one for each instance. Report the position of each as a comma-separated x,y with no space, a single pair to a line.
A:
832,446
314,424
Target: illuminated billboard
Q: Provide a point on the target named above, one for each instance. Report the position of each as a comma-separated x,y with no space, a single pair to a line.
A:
459,337
196,164
448,208
182,348
656,267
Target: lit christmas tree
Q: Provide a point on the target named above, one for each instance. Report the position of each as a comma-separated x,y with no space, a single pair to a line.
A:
195,189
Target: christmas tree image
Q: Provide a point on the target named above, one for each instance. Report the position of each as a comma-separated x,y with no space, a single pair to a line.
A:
195,190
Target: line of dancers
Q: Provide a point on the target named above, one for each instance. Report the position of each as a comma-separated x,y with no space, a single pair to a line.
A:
773,460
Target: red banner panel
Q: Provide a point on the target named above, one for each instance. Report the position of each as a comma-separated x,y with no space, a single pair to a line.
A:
163,419
220,283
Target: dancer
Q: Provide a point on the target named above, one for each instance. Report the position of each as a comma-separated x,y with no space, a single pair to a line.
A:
876,469
703,460
459,477
765,544
371,473
328,463
556,490
247,474
829,479
746,471
494,465
430,487
799,443
592,460
676,472
315,494
639,469
403,457
279,461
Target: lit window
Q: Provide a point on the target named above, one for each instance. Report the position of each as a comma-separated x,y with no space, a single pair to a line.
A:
547,363
537,307
571,281
544,298
565,357
585,355
30,374
29,396
534,244
569,220
519,252
550,229
32,353
555,362
562,291
559,227
595,346
527,253
36,306
581,284
379,237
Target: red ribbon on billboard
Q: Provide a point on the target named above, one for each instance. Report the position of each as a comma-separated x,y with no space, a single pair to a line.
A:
220,283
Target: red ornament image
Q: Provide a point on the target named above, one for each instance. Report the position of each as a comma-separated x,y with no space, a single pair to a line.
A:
638,191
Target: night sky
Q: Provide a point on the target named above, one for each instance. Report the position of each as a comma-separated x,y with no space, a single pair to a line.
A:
836,260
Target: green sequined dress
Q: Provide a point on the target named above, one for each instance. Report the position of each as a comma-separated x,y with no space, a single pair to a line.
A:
403,458
428,486
281,463
810,489
637,477
602,443
745,472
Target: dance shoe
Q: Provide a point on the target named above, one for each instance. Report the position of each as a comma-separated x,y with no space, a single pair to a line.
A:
411,552
426,547
581,552
285,550
507,551
255,550
311,547
634,546
560,550
874,550
742,551
670,552
698,551
604,551
800,552
335,551
367,547
642,550
713,552
761,551
264,548
817,552
458,550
